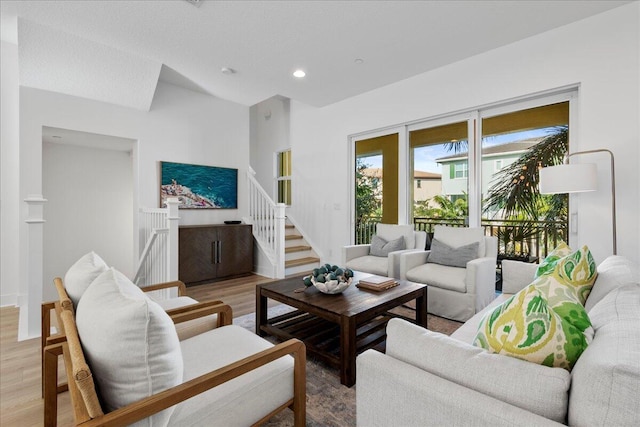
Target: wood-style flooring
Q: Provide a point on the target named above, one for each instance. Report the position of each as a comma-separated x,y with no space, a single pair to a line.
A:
21,403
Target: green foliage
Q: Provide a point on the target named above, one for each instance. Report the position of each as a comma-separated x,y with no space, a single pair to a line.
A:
514,189
366,204
444,208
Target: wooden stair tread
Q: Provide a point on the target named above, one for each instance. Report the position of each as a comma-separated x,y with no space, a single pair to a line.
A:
300,248
301,261
289,226
292,237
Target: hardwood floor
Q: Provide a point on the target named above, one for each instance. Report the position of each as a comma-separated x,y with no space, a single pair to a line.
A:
21,403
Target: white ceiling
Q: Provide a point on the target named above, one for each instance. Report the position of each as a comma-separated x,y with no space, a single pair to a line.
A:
114,51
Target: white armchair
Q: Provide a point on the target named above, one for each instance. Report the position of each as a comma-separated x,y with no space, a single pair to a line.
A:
455,292
358,257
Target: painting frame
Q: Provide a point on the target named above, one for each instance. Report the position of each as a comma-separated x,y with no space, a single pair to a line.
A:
198,186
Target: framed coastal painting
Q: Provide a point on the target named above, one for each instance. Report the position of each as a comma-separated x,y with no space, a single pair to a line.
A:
198,186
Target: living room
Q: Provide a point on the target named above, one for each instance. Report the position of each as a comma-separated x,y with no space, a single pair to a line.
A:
597,56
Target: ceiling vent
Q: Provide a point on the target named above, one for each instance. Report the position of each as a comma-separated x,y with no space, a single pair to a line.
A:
196,3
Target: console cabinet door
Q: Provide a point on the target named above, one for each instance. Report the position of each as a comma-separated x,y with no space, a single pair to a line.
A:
214,251
197,254
235,250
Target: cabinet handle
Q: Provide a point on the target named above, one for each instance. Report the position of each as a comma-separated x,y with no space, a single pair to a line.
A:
214,252
219,251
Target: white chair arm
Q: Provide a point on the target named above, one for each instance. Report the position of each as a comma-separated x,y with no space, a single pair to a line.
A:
412,259
354,251
393,266
481,280
516,275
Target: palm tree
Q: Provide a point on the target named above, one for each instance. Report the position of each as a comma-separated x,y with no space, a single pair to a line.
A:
515,188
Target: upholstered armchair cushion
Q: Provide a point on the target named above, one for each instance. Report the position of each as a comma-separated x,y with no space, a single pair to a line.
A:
242,401
441,276
81,274
130,343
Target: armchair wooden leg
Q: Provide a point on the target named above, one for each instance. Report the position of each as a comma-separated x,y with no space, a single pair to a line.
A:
45,331
300,386
50,384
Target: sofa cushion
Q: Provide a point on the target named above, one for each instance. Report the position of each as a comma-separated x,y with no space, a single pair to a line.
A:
370,264
381,247
440,276
130,343
392,231
605,386
242,401
460,236
443,254
81,274
613,272
546,393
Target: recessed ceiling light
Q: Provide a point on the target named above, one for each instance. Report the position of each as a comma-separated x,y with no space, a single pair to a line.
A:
56,136
299,74
227,70
358,60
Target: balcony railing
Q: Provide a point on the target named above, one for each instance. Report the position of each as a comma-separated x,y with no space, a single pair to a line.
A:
515,237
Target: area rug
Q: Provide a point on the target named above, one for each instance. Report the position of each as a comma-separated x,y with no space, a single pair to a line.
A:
329,403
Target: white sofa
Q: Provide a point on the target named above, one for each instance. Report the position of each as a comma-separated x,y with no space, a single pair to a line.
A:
427,378
358,258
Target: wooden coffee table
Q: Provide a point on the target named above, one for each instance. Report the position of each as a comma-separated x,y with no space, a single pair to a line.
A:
335,328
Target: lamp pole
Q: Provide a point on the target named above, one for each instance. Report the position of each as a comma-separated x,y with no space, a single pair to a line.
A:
613,188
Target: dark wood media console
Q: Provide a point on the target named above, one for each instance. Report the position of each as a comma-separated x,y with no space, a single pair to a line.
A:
216,251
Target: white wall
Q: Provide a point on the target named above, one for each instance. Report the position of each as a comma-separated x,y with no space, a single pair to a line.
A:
600,53
89,208
270,127
9,173
182,126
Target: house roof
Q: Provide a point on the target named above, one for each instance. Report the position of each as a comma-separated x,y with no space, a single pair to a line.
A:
246,51
494,150
377,173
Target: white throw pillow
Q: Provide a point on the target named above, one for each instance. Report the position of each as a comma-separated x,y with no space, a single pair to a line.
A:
81,274
391,232
130,343
460,236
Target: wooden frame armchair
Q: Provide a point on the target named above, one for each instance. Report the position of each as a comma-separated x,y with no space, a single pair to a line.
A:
84,398
187,309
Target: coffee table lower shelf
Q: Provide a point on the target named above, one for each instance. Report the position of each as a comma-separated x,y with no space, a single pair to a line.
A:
322,338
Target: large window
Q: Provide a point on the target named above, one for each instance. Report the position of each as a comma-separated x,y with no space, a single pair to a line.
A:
476,168
284,177
514,146
439,163
376,186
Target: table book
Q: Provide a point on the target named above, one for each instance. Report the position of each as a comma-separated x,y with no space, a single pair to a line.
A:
377,283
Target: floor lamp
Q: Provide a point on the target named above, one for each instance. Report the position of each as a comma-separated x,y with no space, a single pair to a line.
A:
578,178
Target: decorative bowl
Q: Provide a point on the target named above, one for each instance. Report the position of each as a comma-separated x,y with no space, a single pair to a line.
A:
331,286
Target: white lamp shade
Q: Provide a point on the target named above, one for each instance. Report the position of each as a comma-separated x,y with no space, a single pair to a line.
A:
568,178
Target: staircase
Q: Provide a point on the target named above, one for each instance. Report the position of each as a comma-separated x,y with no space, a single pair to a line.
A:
299,256
283,248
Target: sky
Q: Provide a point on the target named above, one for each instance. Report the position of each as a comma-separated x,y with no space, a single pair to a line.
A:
425,156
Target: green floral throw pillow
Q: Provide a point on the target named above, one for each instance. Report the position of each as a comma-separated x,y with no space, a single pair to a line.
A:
546,322
548,264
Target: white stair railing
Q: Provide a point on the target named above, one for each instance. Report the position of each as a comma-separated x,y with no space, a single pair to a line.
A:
159,258
268,220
